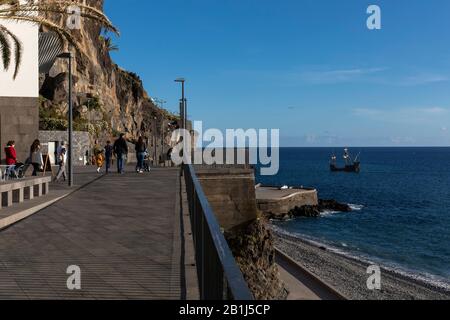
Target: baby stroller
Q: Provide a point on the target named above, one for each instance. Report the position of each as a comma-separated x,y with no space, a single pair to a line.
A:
16,171
147,162
21,170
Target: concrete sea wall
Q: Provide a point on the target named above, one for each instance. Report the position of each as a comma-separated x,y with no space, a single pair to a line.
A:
278,204
231,193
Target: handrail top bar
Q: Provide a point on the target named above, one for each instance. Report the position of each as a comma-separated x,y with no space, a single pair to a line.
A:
233,274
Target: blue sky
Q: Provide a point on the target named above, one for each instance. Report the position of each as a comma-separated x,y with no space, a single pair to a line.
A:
308,67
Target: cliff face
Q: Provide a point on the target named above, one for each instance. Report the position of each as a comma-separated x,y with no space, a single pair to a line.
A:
254,250
107,99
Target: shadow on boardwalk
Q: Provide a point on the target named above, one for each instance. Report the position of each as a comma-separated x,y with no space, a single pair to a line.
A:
122,231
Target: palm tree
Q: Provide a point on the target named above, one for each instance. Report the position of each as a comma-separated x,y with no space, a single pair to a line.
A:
109,45
35,13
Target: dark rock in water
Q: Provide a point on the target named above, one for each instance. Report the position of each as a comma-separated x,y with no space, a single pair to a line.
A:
278,217
313,211
333,205
305,211
253,248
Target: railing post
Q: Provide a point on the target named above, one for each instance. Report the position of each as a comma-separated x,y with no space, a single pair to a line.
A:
225,292
202,244
218,274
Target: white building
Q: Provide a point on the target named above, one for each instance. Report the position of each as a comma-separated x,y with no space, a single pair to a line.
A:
19,111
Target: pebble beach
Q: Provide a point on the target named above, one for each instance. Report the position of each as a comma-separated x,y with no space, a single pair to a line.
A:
349,275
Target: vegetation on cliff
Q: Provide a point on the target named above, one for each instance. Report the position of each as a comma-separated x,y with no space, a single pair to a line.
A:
108,99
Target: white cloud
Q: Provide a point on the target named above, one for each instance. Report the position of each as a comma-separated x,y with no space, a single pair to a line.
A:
391,111
403,115
336,76
326,138
421,79
366,112
319,75
403,140
435,110
375,75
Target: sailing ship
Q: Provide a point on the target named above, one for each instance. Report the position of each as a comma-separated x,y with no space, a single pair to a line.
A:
351,165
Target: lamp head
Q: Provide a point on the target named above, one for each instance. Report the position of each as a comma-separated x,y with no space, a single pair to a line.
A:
65,55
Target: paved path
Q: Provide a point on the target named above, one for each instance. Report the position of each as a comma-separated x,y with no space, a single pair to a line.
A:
58,191
301,284
122,231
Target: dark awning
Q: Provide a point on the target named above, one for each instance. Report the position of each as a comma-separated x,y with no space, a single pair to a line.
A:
50,46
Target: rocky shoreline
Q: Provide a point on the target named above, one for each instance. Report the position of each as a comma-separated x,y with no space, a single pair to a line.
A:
349,275
313,211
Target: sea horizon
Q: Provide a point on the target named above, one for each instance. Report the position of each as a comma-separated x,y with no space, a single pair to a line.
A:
400,198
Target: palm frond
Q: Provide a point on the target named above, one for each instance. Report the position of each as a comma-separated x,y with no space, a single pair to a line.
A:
63,33
109,45
35,13
5,48
59,7
17,51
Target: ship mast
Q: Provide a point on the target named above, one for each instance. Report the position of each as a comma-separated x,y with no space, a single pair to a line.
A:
347,157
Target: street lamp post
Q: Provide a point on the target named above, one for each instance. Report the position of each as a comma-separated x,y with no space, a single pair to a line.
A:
183,103
68,56
182,110
154,142
162,140
185,114
160,103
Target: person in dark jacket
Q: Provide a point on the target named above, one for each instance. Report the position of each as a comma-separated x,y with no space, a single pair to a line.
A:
11,155
109,152
121,153
141,149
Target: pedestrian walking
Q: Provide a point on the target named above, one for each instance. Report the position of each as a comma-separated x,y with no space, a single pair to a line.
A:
141,150
121,153
11,154
109,151
36,158
11,160
61,159
99,157
62,145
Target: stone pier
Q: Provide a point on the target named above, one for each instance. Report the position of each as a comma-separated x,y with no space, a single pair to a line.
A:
275,202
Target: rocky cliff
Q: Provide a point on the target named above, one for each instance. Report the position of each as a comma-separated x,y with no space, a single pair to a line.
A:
107,99
253,247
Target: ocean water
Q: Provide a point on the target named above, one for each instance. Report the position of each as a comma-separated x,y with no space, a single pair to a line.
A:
401,200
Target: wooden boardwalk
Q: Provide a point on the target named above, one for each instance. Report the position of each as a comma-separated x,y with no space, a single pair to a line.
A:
123,231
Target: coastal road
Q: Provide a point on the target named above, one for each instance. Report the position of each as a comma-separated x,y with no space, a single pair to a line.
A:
301,284
122,231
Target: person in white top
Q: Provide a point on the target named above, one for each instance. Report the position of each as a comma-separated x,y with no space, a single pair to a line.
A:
59,151
36,157
61,157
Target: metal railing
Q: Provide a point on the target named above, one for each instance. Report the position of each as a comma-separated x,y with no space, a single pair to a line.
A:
219,276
